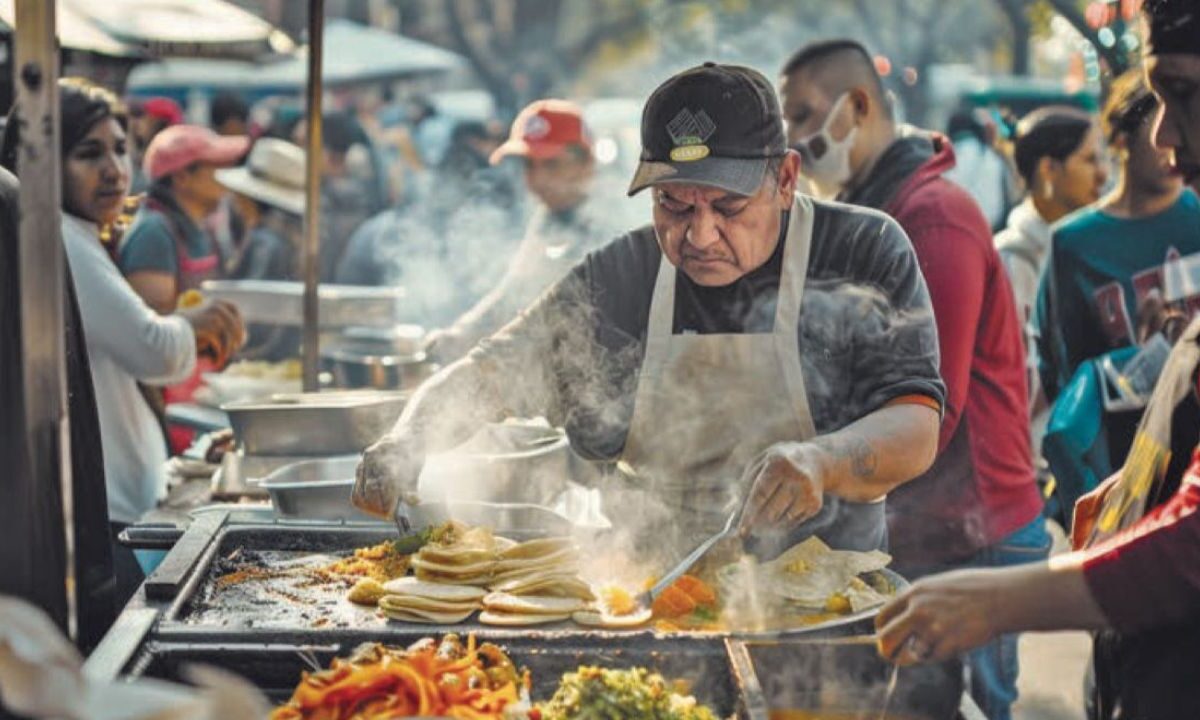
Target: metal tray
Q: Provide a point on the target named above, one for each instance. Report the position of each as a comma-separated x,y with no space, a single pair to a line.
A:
845,676
315,489
276,668
278,302
314,424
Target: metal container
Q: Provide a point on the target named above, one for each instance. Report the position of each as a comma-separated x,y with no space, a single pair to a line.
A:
503,462
277,302
314,424
358,365
842,677
276,668
315,490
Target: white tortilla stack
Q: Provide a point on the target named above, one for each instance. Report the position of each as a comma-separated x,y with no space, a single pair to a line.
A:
413,600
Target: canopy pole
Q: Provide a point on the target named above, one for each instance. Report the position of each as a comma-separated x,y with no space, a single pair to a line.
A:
312,198
44,370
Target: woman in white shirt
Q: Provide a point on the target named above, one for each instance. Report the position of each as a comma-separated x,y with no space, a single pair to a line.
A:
127,341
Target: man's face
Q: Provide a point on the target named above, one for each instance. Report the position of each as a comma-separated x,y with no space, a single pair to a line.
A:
1148,166
1175,79
716,236
560,182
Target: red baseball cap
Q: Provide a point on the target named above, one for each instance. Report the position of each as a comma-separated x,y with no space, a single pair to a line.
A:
164,109
179,146
545,129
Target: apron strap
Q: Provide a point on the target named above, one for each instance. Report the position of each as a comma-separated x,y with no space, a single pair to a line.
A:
661,322
792,280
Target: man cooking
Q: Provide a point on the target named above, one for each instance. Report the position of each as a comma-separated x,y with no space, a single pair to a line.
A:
792,362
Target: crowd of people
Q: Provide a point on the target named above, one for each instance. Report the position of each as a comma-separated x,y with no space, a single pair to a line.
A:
917,340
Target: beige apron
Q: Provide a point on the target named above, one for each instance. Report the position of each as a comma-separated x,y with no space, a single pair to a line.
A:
707,406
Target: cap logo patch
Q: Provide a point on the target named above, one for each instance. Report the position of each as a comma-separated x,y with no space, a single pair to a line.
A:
536,128
689,130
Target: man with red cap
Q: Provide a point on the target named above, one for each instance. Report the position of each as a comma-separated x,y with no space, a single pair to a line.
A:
167,252
552,139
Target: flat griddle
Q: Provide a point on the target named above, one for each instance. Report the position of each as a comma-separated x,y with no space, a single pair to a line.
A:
270,641
293,609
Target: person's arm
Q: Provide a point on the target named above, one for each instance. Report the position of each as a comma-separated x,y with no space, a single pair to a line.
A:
896,394
148,346
149,262
158,289
945,615
513,374
861,462
1145,577
515,290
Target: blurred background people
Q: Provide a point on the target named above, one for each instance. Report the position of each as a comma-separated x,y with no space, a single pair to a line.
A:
268,195
568,221
1105,261
980,167
228,114
149,117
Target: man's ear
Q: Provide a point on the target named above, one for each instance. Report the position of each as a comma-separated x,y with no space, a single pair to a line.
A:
862,103
789,176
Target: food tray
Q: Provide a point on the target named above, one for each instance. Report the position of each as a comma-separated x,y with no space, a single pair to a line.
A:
278,302
314,424
276,668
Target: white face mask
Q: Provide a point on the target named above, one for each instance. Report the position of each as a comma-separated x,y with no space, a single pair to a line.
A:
826,162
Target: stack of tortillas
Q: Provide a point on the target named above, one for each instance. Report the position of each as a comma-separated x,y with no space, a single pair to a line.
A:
536,582
411,600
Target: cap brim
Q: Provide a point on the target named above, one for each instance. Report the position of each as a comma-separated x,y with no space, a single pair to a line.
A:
227,151
737,175
240,181
521,148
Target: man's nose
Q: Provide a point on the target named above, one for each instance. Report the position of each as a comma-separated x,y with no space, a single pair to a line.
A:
703,232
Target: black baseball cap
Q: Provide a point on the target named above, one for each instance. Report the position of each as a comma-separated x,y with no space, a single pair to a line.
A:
716,125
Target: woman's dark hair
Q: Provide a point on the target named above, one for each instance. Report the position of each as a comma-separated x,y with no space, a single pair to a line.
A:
1130,102
1055,132
82,103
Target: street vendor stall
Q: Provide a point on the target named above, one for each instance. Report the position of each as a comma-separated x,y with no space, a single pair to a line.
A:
479,608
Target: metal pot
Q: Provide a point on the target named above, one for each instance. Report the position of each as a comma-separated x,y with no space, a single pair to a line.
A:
503,462
368,365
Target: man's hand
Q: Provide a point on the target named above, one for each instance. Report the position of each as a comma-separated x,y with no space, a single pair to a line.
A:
387,474
940,617
788,489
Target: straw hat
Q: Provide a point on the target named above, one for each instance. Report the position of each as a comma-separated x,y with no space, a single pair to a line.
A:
273,174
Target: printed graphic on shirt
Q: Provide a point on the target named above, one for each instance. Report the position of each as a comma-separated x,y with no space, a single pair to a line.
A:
1177,280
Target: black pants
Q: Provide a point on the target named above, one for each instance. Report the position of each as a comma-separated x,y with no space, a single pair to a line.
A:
125,565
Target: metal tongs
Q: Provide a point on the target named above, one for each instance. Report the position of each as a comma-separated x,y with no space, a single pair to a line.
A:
646,599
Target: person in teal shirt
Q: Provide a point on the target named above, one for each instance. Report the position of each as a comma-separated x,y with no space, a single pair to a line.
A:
1106,260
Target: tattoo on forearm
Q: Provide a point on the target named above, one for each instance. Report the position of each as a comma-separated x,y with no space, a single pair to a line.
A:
856,451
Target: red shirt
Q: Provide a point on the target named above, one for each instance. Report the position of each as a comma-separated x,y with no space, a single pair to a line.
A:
1149,575
981,347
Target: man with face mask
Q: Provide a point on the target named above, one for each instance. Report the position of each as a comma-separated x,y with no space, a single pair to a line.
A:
979,504
753,347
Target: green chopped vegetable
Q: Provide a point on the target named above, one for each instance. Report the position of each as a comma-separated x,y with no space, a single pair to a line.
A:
410,544
593,693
